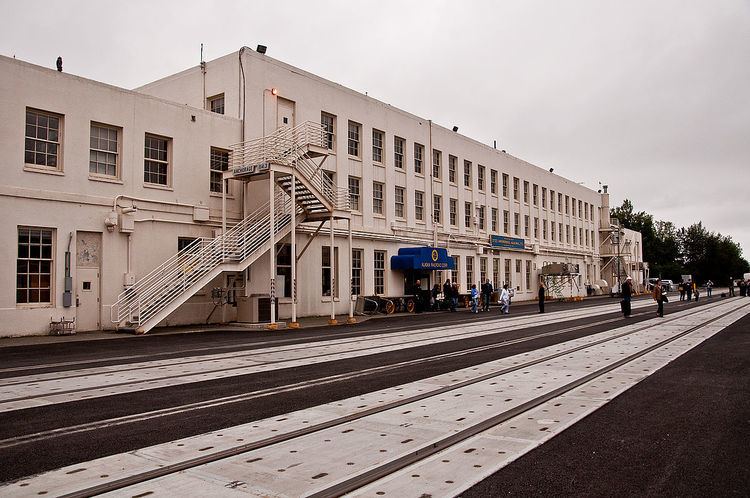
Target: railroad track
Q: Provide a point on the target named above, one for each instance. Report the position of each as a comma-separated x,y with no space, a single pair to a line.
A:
305,438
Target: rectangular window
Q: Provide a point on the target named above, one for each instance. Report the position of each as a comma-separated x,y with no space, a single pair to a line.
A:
355,132
104,151
43,139
452,164
559,232
507,273
494,219
517,223
419,205
552,199
515,188
544,197
437,159
481,217
536,227
480,177
535,194
505,185
377,197
573,206
580,236
567,234
328,121
453,211
586,211
467,173
574,236
219,164
398,197
567,203
469,272
357,271
398,152
559,202
526,192
455,271
518,266
34,266
553,230
377,146
526,225
580,213
482,270
354,191
216,103
156,160
325,264
528,275
495,272
493,181
544,229
587,238
467,214
436,208
418,157
506,221
284,267
379,271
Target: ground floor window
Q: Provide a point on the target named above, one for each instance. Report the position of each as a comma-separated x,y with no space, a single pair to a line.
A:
495,272
482,270
284,270
507,273
357,271
379,271
454,271
469,272
528,275
34,266
328,278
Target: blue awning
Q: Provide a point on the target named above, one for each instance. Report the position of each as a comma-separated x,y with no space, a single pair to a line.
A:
422,258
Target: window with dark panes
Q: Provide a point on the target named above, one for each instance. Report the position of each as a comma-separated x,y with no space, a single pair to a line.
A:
355,131
104,150
219,164
357,255
43,136
398,152
418,157
328,121
156,160
377,146
354,186
379,271
34,266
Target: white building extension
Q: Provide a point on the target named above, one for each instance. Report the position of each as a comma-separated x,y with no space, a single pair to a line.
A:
103,186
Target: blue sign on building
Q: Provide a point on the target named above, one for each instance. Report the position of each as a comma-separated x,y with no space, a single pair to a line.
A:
503,242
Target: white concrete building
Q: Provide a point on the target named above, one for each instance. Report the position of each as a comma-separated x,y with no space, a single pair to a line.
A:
102,186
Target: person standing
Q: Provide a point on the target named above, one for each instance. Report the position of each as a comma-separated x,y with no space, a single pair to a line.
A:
658,297
434,296
689,290
417,296
447,292
695,290
681,288
486,295
541,294
474,298
454,296
627,295
709,287
742,287
731,286
504,300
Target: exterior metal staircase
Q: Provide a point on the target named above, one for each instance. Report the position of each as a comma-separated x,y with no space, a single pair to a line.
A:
289,151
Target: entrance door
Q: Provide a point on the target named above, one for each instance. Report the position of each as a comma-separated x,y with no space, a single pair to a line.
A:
88,263
284,113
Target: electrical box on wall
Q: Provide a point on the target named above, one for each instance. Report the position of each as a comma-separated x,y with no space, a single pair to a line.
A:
200,213
129,279
126,222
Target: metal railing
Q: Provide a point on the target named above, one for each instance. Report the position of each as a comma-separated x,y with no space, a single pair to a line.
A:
163,285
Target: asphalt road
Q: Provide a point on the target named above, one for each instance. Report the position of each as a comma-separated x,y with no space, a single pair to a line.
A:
682,431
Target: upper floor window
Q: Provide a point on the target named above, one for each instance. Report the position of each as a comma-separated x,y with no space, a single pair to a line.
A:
156,160
216,103
493,181
505,185
467,214
104,151
398,152
354,186
467,173
219,164
437,159
452,162
515,188
480,177
535,194
418,157
43,139
377,197
544,197
419,205
398,200
437,202
377,146
328,121
453,211
355,130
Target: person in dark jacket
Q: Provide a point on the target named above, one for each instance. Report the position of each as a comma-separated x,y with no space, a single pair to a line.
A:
486,295
627,295
417,296
448,295
541,295
434,295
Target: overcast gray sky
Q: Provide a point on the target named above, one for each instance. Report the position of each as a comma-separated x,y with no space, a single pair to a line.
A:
651,97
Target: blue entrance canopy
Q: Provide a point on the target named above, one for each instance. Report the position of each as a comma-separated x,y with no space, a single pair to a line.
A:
422,258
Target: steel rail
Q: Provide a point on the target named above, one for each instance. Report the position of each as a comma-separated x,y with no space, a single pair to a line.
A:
413,457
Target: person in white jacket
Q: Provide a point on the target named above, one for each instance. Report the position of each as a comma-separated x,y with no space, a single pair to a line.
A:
504,300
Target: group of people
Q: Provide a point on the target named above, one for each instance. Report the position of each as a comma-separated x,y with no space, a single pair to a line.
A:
658,293
451,297
690,288
486,290
743,285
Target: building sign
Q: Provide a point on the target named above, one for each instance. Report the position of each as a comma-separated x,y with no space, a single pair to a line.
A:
251,169
503,242
421,258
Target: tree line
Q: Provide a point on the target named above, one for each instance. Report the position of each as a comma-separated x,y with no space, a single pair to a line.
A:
672,252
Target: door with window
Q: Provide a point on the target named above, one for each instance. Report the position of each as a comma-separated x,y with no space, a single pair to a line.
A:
88,277
284,113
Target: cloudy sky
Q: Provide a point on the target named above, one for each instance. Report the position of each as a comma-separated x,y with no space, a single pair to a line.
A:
651,97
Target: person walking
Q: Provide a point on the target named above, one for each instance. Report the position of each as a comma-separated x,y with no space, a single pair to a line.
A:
658,297
474,298
447,295
689,290
504,300
709,287
627,295
541,294
681,288
731,286
486,295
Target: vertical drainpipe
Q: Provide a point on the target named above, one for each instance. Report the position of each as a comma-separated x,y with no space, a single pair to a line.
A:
334,268
351,318
294,323
272,250
431,201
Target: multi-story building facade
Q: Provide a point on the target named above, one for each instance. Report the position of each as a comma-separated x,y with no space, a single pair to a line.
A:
103,185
